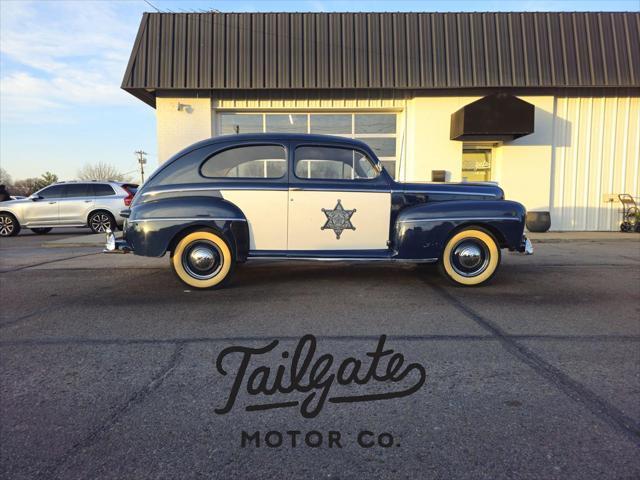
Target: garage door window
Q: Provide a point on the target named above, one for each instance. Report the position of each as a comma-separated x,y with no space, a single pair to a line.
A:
376,129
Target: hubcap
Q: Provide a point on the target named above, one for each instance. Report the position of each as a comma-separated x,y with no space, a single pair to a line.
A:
202,259
100,222
470,257
6,225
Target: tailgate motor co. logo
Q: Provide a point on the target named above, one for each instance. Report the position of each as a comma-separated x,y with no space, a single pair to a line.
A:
307,381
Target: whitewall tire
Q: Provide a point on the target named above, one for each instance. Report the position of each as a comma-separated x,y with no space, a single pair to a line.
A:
471,257
203,259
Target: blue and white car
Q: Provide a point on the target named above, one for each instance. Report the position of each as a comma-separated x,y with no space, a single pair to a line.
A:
236,198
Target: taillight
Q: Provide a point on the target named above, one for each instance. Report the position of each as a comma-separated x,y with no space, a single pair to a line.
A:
127,200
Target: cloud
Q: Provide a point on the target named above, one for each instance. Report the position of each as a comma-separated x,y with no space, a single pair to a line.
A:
60,55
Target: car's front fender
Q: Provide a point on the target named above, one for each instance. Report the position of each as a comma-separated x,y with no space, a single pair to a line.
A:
421,232
153,227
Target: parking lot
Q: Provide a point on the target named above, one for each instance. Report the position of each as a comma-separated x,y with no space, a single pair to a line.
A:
108,366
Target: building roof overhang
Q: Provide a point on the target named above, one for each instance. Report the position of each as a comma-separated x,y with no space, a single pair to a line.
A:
422,52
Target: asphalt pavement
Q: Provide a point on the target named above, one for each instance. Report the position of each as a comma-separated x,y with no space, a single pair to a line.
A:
108,368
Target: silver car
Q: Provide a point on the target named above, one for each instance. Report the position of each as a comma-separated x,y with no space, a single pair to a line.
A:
95,204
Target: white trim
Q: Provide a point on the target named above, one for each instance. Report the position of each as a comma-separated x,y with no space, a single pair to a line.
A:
169,219
447,192
222,186
418,220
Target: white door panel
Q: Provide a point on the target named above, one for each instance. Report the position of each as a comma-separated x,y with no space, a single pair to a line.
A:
42,212
363,216
73,211
266,212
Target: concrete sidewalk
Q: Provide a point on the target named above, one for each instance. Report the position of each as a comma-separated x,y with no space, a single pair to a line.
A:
97,240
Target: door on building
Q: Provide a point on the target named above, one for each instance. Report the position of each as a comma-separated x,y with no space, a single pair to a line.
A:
337,201
44,209
476,164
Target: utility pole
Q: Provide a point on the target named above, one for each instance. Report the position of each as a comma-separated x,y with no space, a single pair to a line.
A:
142,159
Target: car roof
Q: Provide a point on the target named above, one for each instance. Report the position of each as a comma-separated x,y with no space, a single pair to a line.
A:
278,137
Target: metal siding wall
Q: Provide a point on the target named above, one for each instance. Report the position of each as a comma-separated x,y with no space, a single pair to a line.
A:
596,152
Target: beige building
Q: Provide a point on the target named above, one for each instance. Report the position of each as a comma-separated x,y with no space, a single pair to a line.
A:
401,81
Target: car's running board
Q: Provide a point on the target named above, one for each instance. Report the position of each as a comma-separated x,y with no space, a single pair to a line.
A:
345,259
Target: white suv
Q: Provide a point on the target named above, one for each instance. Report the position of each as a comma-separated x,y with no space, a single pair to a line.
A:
95,204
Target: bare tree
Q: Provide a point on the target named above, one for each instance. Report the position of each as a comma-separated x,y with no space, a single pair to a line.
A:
102,171
24,187
5,178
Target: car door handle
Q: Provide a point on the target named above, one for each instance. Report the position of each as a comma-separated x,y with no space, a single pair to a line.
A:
88,201
52,203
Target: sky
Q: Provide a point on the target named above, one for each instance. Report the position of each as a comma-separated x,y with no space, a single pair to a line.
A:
62,63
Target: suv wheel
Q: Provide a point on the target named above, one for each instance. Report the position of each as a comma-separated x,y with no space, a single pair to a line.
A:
9,226
100,221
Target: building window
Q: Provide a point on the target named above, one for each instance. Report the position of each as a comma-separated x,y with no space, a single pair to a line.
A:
378,130
476,165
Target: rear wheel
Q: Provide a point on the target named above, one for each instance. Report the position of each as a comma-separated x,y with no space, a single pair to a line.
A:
100,221
471,257
203,259
9,226
41,231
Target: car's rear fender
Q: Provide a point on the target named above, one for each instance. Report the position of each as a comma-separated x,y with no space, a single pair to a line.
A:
154,227
422,231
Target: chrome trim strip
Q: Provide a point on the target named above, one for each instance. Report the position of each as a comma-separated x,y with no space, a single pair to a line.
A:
419,220
447,192
347,189
318,189
345,259
170,219
216,189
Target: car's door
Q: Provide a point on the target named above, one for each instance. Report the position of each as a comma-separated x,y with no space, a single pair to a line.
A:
78,198
43,210
254,177
338,200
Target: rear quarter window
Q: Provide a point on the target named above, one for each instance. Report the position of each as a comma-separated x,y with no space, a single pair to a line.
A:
251,161
102,190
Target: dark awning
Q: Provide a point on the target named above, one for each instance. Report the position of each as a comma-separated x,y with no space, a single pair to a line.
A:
495,117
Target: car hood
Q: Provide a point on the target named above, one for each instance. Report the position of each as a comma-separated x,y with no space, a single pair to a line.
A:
488,189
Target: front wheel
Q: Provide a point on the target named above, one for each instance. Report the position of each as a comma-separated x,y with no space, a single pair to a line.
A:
203,259
471,257
9,226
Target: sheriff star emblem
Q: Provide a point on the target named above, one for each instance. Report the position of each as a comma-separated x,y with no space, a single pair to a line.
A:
338,219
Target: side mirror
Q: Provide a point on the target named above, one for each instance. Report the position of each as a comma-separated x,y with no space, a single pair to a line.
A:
35,197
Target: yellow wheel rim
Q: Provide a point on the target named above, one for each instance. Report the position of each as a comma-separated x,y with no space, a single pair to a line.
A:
489,260
192,252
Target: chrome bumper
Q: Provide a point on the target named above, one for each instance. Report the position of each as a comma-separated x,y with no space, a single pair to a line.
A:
112,245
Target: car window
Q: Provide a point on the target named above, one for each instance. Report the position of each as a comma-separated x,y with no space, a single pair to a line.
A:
54,191
102,190
333,163
253,161
77,190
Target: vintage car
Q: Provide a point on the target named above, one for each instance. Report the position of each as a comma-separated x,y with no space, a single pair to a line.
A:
235,198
